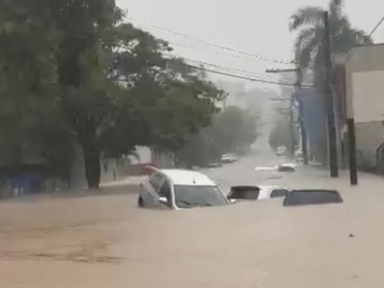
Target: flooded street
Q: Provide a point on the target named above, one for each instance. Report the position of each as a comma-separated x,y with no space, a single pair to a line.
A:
105,241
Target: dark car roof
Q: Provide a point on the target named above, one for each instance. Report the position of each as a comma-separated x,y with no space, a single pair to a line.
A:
312,197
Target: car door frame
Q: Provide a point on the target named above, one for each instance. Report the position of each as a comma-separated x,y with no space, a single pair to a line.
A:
150,195
171,204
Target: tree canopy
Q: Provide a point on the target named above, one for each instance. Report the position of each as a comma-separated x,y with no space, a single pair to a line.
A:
74,74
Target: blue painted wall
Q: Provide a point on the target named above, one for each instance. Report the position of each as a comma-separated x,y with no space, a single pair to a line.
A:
314,117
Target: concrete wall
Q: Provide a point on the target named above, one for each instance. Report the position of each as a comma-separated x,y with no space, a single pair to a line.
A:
364,96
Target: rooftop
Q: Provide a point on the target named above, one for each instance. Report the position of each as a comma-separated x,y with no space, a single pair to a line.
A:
187,177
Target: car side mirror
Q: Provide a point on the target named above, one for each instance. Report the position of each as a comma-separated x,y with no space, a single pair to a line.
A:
163,200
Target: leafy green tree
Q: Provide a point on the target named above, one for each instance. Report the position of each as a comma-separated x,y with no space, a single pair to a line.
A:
72,72
27,74
308,21
52,57
168,100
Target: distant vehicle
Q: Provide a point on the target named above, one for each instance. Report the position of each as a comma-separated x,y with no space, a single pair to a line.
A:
286,168
264,168
214,165
312,197
257,192
280,151
228,158
180,189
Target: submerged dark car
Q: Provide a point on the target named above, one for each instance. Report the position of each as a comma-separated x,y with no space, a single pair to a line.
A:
312,197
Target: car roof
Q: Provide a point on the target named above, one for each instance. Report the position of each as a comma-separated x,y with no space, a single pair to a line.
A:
266,190
270,187
261,187
187,177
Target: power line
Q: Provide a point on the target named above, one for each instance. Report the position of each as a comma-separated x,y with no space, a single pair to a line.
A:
255,56
239,70
376,27
370,35
238,56
241,77
225,67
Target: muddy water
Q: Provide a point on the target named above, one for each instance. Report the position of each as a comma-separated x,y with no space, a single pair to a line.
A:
106,242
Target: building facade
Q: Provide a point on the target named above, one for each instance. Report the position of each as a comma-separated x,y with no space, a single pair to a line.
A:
365,103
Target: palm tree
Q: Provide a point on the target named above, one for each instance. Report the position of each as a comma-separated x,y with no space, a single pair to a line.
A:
308,21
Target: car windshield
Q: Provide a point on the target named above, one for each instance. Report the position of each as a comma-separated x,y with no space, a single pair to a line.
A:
191,196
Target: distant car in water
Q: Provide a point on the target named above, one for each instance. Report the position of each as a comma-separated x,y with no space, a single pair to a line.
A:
259,192
228,158
213,165
286,168
312,197
180,189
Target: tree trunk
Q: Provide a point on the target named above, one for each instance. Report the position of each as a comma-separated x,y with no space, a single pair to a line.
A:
91,154
92,167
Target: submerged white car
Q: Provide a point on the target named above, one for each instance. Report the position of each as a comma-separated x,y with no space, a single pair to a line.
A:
260,192
180,189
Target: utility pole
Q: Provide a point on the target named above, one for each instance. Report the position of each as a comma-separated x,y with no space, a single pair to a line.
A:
291,122
332,137
352,151
303,130
353,178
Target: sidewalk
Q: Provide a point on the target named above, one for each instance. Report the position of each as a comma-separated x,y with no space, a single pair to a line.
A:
316,175
129,185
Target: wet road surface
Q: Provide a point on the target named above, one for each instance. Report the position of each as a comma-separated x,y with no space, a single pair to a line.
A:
105,241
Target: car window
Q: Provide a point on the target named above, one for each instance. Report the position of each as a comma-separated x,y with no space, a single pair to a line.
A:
244,193
155,180
311,197
279,193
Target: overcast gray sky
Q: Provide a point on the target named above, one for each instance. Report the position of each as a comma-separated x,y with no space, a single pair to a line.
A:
254,26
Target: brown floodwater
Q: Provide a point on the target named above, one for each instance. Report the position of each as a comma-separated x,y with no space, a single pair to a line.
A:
105,241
